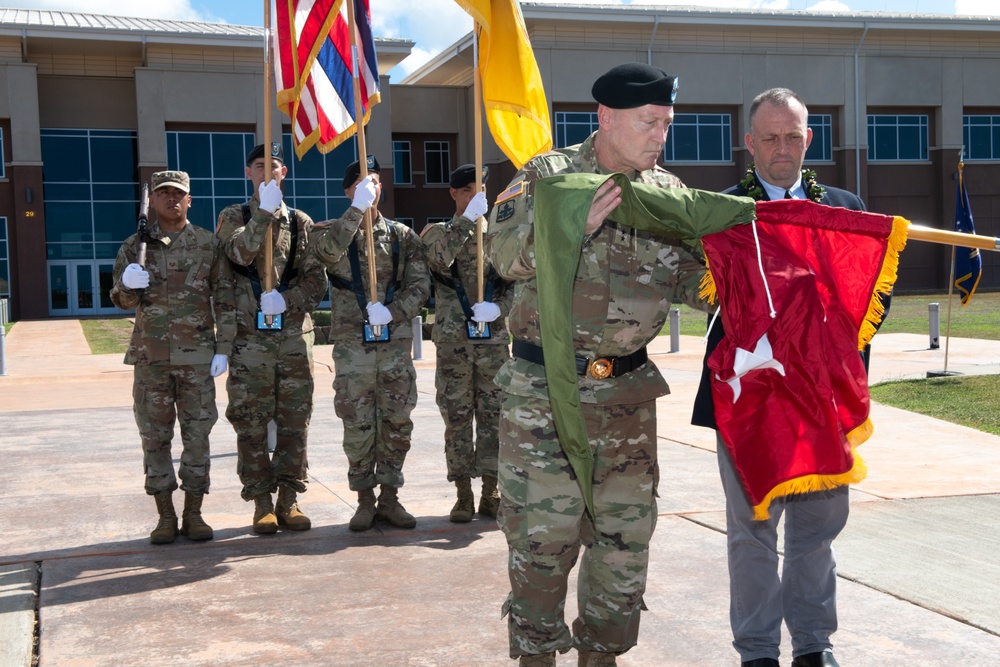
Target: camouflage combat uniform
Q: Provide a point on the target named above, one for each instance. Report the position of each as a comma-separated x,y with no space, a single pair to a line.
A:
176,334
271,372
374,383
624,285
466,367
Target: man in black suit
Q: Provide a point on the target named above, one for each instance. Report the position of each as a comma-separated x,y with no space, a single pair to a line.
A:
805,593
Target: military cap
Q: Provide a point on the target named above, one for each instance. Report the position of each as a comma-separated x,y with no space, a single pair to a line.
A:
466,174
634,85
258,151
178,179
354,170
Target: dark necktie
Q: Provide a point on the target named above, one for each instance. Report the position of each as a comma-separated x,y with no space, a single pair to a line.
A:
788,195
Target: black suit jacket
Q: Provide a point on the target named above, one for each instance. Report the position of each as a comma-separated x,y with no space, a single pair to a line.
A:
704,407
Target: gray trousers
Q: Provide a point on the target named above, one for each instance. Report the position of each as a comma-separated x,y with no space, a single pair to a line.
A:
805,594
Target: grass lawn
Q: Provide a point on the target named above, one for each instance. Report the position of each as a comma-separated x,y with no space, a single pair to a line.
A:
107,336
967,400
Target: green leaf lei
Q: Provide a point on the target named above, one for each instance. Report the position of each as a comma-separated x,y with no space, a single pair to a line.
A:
814,191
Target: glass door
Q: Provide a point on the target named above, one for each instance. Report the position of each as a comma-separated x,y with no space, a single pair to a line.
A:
81,287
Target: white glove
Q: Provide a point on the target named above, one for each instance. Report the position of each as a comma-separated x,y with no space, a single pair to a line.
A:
135,277
477,207
270,196
272,303
220,363
485,311
378,314
364,194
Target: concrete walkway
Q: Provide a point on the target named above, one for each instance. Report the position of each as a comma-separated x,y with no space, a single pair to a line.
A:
920,580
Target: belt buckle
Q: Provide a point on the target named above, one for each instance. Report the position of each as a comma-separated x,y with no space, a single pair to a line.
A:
600,368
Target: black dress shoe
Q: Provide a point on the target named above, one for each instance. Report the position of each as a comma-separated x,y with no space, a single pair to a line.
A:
761,662
822,659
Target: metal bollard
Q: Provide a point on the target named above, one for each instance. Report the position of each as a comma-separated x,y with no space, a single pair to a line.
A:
418,338
934,314
675,329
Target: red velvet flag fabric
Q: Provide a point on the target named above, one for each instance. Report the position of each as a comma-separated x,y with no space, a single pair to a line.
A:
791,415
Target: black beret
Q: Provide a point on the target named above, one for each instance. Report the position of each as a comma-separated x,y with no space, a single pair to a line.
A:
258,151
354,170
634,85
466,174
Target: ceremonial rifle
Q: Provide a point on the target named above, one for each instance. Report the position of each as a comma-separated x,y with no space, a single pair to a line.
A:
141,231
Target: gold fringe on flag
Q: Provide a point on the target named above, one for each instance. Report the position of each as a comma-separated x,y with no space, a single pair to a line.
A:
886,279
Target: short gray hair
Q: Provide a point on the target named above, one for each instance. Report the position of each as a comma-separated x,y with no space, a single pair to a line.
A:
776,96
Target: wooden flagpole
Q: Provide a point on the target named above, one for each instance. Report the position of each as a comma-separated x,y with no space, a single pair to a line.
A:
268,252
362,154
478,116
944,237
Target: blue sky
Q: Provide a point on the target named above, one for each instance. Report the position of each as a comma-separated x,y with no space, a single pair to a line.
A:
435,24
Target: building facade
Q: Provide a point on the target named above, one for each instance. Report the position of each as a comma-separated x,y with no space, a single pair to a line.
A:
90,106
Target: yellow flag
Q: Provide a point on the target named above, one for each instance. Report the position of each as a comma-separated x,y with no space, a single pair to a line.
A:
513,96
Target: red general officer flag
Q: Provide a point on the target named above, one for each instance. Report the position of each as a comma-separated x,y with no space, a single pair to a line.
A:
790,389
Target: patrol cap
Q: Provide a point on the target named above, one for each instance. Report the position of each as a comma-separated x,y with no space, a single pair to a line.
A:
466,174
634,85
258,151
354,170
178,179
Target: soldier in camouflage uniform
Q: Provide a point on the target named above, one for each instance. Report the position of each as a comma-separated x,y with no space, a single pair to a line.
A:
375,381
624,285
271,370
179,344
467,359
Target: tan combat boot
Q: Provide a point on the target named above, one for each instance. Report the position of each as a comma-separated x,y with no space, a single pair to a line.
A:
465,507
391,511
489,502
288,511
166,530
540,660
596,659
364,517
264,520
193,526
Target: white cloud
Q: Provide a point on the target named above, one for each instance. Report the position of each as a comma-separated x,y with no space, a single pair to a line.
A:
977,7
177,10
829,6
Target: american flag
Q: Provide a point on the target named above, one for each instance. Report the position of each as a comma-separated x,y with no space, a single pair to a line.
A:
313,70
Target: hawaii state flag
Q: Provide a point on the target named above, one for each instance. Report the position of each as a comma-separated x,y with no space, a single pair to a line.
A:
799,296
517,111
313,69
968,262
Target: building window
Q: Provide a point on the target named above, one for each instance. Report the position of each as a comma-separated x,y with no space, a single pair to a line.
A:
4,260
91,191
215,162
893,137
437,162
699,137
573,127
315,184
402,163
981,137
437,218
2,162
821,148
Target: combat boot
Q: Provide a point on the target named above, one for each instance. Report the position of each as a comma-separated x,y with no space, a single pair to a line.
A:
166,530
264,520
465,507
193,526
540,660
489,502
391,511
364,517
288,511
596,659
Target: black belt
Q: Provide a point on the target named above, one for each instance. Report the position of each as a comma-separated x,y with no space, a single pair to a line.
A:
600,368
